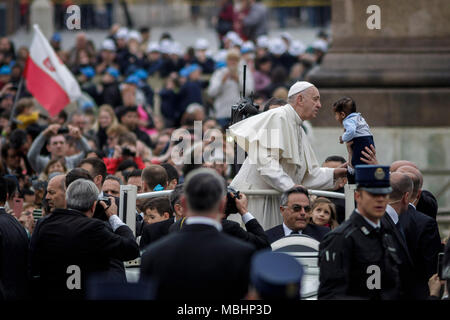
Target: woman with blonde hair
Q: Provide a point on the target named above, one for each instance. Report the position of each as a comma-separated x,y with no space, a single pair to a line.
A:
105,119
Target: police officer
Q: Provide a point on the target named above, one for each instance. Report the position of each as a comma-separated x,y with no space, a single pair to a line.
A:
359,259
274,276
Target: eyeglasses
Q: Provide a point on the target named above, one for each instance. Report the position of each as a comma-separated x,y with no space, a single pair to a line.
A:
298,208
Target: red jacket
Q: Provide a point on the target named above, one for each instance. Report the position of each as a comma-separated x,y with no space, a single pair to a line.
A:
113,163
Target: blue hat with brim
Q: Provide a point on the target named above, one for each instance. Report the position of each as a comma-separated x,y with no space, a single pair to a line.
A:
133,80
373,179
56,37
113,71
276,275
89,72
5,70
186,71
141,74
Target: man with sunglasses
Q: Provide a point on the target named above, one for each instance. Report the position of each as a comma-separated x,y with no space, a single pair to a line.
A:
295,208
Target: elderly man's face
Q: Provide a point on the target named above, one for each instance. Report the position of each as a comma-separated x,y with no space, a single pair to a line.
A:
295,216
309,104
56,193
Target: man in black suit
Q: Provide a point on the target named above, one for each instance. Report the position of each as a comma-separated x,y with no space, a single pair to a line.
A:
427,203
422,237
199,262
295,208
402,187
68,247
253,234
13,253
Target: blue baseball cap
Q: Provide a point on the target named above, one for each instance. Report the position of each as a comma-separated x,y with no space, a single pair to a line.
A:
113,71
56,37
5,70
141,74
276,275
133,80
186,71
373,178
89,72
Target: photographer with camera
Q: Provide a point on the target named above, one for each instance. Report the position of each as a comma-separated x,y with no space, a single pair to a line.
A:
124,150
70,238
225,87
54,135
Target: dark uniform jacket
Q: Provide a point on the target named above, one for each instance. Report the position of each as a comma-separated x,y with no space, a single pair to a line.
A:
312,230
13,258
406,268
424,243
198,263
254,234
353,257
69,238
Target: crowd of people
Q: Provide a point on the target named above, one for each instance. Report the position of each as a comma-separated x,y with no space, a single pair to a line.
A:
61,176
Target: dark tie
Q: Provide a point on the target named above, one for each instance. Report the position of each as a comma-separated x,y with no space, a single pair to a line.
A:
295,232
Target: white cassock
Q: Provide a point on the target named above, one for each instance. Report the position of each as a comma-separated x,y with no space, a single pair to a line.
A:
279,157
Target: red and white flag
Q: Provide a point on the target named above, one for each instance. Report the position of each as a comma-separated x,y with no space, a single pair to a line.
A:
48,79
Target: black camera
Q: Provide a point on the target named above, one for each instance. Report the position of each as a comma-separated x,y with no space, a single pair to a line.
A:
128,153
99,212
245,108
63,130
231,202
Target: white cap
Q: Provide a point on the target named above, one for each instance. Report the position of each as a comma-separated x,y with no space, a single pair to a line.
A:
297,47
262,42
221,55
321,45
286,35
299,86
122,33
234,38
247,46
176,48
153,46
133,34
165,46
277,46
108,44
201,44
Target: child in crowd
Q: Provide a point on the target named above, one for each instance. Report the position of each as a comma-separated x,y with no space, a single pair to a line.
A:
323,213
357,133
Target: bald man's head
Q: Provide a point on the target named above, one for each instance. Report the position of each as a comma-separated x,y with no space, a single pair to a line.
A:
417,180
399,163
401,183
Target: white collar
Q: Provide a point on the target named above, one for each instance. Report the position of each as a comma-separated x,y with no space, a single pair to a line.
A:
288,231
411,204
392,213
204,220
374,225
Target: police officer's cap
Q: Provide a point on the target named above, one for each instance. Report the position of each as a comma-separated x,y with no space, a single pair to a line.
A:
276,275
373,178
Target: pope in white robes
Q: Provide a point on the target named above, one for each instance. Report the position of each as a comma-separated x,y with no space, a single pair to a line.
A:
279,153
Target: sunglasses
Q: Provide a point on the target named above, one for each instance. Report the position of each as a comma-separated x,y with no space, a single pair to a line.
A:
298,208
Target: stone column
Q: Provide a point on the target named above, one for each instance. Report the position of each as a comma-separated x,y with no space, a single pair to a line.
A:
399,75
42,14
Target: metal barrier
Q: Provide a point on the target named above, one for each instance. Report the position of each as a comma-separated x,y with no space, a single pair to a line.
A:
128,197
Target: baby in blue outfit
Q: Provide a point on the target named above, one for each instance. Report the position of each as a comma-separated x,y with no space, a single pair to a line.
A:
356,128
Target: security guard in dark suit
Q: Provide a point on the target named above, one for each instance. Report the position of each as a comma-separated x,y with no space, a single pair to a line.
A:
359,259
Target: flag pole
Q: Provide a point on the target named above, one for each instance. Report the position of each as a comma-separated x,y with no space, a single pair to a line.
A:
18,93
